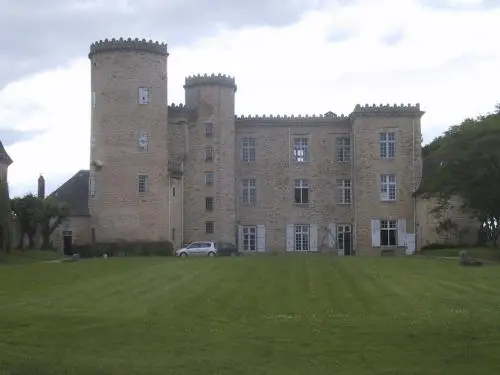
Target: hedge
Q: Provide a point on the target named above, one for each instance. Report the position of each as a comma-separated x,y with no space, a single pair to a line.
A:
113,249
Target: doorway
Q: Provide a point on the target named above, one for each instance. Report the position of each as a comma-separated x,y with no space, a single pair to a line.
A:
67,242
344,239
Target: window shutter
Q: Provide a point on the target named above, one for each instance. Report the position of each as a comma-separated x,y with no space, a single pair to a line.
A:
375,233
332,235
402,232
261,238
313,237
240,238
289,237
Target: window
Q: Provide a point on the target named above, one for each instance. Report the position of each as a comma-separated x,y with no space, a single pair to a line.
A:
301,191
143,142
143,95
301,237
209,153
300,149
209,204
92,141
91,184
345,191
173,191
388,187
344,237
249,238
249,191
209,128
388,233
173,235
209,178
142,183
387,145
248,149
344,149
93,98
209,227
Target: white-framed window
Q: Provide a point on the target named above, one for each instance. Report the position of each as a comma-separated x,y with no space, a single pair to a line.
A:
209,204
388,233
300,151
344,187
142,183
249,238
209,227
388,187
143,95
209,178
209,153
92,141
344,149
93,99
387,145
209,128
249,191
301,237
91,184
344,237
143,142
248,146
301,191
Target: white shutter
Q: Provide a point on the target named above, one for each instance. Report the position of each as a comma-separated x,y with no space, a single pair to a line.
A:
332,235
375,233
261,238
289,237
240,238
402,232
313,237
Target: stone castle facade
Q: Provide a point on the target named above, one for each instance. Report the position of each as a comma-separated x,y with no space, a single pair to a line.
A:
196,171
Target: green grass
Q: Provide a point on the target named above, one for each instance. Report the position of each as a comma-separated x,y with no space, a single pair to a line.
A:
486,253
28,256
290,315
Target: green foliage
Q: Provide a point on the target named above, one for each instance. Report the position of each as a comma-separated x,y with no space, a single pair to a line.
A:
125,248
467,164
32,213
5,218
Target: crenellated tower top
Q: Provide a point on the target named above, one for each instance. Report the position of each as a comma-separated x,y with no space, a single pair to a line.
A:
140,45
387,109
210,80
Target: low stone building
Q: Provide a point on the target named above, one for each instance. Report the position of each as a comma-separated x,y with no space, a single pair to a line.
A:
196,171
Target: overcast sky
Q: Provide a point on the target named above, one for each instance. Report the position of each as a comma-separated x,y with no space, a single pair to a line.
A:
288,57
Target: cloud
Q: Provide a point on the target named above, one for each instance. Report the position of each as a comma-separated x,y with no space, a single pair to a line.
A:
327,59
12,136
37,37
464,5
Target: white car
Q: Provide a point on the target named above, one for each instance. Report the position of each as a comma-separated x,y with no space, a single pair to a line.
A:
201,248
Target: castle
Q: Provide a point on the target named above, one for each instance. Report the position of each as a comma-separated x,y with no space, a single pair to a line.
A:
196,171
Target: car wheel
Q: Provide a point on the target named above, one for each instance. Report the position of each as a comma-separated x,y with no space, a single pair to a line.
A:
183,255
211,254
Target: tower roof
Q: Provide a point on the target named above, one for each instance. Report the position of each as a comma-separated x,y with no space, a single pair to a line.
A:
4,157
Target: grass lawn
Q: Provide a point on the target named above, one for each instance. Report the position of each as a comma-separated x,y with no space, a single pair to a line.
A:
293,315
28,256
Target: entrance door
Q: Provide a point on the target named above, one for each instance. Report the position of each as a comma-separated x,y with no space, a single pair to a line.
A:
67,242
344,239
410,243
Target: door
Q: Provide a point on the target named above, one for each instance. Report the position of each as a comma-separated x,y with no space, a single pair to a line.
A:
249,238
67,242
410,243
344,239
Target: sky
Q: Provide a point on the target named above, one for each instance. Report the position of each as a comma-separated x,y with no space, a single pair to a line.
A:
288,57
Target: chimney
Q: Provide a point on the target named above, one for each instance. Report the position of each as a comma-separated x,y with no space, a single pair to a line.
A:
41,187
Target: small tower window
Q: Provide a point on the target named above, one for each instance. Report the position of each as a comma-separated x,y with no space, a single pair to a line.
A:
209,129
143,95
173,191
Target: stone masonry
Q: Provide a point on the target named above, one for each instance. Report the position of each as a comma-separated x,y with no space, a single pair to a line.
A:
214,175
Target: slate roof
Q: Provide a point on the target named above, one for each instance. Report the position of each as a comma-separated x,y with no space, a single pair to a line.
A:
4,157
75,192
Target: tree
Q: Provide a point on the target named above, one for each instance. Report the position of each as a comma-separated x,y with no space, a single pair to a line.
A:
50,216
5,218
467,163
26,210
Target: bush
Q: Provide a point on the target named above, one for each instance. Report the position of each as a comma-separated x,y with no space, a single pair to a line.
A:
113,249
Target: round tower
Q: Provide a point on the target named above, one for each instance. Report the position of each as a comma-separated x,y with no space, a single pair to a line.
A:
5,161
207,180
128,190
